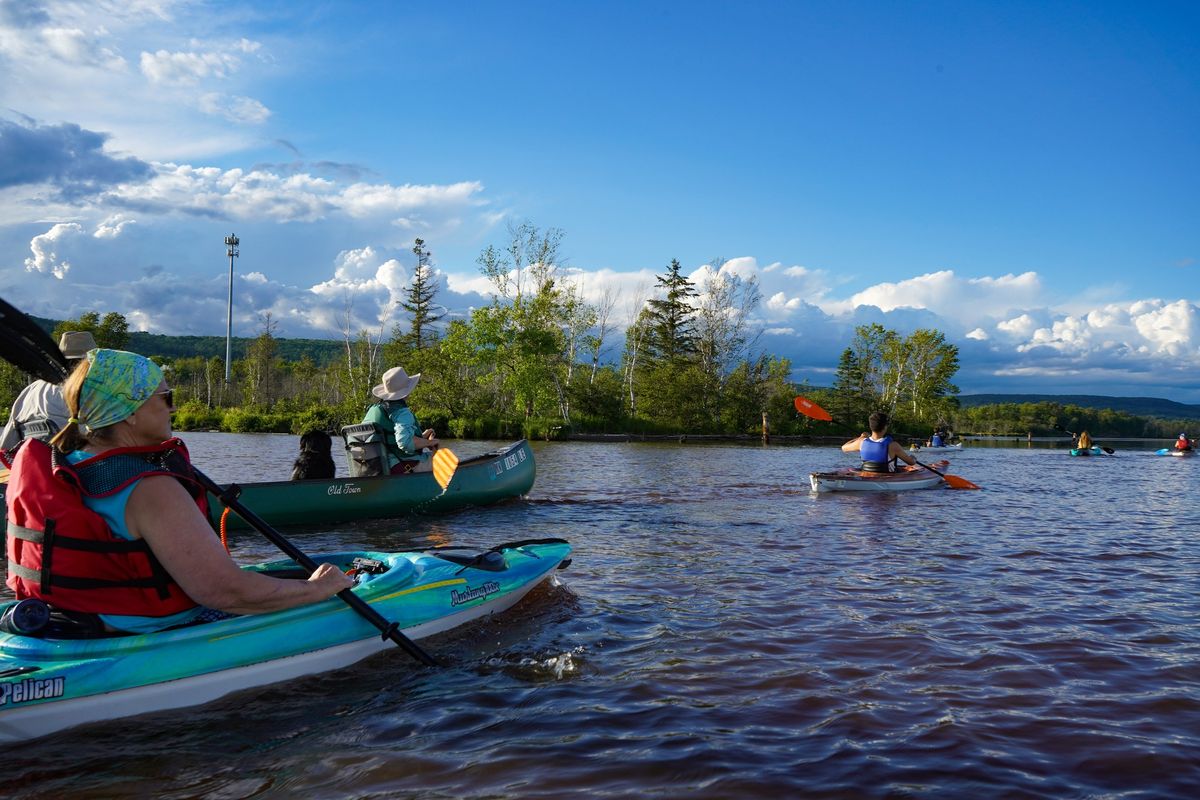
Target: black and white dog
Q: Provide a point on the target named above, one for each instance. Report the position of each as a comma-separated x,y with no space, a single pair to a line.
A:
315,460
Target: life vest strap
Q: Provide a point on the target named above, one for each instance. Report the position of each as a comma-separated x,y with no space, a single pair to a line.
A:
71,582
73,543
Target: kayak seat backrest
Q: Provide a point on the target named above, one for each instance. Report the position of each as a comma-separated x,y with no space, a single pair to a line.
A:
70,625
43,429
366,455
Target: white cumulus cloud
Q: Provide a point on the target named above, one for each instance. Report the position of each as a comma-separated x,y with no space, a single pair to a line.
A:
45,246
111,227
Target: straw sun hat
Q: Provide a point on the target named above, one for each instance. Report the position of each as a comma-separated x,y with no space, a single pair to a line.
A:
397,384
75,344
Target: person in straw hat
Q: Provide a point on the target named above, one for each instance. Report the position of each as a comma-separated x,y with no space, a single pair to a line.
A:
43,402
408,448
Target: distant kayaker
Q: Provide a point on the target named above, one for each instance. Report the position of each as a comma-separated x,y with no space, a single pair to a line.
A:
42,401
135,550
879,451
407,450
940,437
1183,443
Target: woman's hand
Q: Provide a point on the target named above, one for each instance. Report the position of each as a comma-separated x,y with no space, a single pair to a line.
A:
162,512
330,580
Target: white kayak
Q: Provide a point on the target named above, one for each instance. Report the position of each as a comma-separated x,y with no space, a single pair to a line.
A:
856,480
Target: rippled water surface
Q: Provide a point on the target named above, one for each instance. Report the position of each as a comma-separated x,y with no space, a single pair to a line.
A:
723,632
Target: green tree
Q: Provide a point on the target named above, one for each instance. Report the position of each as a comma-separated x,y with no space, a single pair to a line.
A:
931,365
112,331
418,302
907,376
669,318
260,365
524,330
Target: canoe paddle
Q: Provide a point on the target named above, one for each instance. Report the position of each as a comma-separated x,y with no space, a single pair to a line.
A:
810,409
25,345
444,464
1108,450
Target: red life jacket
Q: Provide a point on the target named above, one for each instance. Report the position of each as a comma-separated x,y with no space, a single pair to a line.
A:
61,551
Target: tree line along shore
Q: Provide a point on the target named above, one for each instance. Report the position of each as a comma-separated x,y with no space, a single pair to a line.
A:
541,362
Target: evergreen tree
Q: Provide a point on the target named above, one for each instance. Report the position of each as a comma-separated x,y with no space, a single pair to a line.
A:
418,302
671,318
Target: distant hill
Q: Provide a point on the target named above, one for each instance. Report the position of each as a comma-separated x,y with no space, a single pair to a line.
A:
158,345
1137,406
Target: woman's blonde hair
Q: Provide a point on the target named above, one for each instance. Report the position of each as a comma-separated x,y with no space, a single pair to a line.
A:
73,437
1085,441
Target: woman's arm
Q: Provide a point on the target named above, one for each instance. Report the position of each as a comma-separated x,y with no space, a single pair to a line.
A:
407,439
161,512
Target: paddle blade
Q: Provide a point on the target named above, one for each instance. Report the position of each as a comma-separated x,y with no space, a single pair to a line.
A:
810,409
955,482
444,464
27,346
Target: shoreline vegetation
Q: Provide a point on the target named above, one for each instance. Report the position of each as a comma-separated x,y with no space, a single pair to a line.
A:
541,362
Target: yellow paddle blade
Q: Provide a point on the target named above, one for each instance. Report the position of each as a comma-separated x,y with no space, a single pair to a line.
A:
444,464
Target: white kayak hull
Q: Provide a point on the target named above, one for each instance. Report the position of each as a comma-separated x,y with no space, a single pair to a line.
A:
853,480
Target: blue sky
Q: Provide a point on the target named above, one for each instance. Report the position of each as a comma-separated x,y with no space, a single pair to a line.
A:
1022,176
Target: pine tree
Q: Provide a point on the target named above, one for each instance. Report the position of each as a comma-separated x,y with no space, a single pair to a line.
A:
670,318
419,301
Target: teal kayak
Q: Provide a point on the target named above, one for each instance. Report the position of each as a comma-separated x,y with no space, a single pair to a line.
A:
62,676
1089,451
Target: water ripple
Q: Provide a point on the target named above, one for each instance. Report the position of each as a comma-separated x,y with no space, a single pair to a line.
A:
724,633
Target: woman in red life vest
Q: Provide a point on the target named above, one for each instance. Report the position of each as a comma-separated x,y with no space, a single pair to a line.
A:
117,442
1183,443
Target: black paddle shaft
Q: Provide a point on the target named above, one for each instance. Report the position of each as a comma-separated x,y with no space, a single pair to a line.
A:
390,630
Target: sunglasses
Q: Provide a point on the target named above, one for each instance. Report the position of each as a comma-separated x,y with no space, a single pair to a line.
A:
168,395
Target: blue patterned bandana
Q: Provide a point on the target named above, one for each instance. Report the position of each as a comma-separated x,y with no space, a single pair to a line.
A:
116,385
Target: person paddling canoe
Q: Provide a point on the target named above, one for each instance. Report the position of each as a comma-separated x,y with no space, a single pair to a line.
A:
96,527
408,448
879,451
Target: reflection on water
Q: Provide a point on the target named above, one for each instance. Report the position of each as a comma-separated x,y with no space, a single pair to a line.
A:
723,632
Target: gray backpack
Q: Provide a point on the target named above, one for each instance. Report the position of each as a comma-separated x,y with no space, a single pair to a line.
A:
366,451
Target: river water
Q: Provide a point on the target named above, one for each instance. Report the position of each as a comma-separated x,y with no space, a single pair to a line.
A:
725,633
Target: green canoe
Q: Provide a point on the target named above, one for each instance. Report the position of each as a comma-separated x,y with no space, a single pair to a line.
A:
497,475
